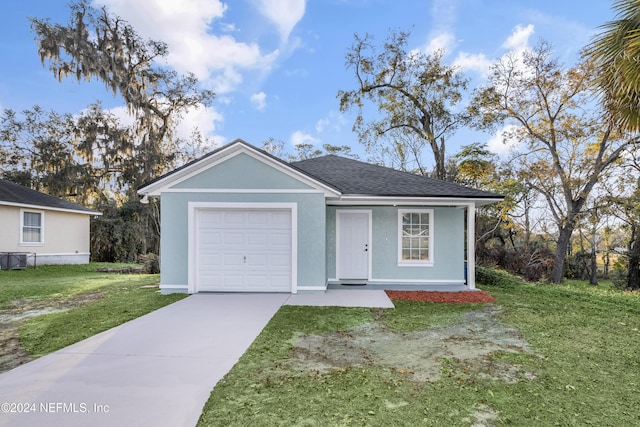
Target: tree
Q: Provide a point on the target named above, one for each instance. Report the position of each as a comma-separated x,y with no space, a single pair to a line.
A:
39,147
96,44
624,200
615,51
305,151
568,148
415,93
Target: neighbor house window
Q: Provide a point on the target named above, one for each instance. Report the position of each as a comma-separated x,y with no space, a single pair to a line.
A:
415,237
32,227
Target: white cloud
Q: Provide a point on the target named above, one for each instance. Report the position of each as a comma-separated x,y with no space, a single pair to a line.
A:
299,137
322,124
284,14
443,20
504,141
519,38
217,61
444,40
203,118
259,100
334,121
473,62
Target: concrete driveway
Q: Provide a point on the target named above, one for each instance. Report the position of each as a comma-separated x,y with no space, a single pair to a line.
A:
157,370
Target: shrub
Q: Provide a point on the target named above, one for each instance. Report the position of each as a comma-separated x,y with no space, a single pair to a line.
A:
151,263
619,274
492,277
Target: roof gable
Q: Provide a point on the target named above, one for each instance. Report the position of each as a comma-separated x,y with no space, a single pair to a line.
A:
353,177
241,171
17,195
195,173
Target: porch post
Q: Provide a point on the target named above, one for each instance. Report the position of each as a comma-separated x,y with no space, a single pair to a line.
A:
471,246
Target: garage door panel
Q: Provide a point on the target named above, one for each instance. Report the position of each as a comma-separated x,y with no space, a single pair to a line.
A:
243,250
212,218
257,261
210,261
258,218
281,241
232,238
282,261
281,219
232,260
208,237
231,218
259,239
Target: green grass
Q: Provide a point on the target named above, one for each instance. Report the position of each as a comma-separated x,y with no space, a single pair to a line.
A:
113,300
584,369
56,281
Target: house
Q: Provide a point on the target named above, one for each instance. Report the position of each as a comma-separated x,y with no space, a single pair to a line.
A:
46,229
241,220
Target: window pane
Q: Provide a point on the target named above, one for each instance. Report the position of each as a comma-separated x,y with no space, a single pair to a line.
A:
32,227
414,236
31,235
31,219
406,243
424,243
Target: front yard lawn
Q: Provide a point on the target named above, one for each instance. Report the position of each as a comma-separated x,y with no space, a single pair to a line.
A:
46,308
541,355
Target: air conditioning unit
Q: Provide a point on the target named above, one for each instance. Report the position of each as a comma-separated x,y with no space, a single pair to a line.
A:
13,261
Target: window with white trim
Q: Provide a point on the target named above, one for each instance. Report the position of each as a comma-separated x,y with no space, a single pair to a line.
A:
32,224
415,237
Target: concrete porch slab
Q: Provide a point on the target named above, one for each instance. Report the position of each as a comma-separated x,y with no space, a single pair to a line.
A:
343,298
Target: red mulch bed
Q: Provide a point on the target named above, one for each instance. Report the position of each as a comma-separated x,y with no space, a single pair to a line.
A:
462,297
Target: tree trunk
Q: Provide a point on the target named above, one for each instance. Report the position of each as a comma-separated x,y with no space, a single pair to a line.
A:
564,238
593,277
633,276
439,157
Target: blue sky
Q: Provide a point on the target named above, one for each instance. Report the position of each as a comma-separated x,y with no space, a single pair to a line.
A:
277,65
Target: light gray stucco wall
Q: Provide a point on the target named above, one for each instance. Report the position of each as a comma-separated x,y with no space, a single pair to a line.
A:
242,172
448,246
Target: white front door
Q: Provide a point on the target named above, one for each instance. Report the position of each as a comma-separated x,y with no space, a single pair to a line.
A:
353,244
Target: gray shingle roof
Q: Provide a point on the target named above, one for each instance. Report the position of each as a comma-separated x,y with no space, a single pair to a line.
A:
359,178
353,177
11,193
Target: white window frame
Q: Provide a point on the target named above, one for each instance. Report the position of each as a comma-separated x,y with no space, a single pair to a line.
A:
415,263
22,226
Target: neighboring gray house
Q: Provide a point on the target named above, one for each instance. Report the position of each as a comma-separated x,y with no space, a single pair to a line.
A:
48,229
241,220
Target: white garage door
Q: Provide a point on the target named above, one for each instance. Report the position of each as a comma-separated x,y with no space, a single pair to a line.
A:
243,250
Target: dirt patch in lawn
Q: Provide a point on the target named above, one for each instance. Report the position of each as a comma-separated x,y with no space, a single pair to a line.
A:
423,355
12,353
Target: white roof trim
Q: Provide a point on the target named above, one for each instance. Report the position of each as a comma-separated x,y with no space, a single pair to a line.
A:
244,190
233,149
48,208
351,200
